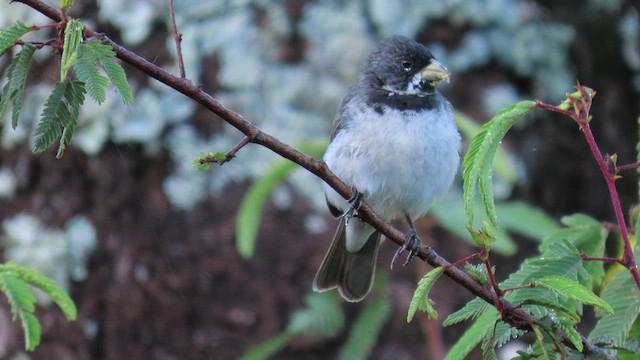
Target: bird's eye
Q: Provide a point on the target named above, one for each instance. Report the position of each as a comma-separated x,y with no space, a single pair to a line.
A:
408,65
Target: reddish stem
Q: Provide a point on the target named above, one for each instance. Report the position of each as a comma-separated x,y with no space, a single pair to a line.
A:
632,166
586,257
494,283
462,261
628,259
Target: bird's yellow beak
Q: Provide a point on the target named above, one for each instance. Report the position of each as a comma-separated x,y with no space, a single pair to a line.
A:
434,73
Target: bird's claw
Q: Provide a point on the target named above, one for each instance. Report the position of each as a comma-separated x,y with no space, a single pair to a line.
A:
413,244
354,203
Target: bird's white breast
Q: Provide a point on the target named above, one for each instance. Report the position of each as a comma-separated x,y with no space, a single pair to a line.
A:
399,160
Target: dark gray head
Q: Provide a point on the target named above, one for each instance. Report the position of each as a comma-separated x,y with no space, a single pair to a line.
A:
402,66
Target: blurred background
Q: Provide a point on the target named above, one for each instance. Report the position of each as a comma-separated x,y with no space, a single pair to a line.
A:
146,244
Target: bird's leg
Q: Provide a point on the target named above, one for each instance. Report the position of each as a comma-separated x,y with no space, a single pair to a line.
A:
411,242
354,204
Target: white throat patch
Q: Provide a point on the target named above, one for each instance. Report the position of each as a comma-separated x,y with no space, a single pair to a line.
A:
413,87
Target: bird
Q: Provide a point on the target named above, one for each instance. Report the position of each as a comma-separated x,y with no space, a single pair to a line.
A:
395,143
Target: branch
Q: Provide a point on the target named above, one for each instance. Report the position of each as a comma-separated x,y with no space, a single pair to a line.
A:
517,316
177,38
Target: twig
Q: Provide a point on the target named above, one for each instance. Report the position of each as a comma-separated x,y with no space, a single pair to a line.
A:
177,37
586,257
228,156
632,166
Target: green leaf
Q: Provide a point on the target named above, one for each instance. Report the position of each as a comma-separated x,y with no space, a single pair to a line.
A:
525,219
322,315
451,216
72,39
250,211
89,55
573,335
60,112
118,78
588,236
47,285
471,310
32,331
11,34
482,327
421,299
13,91
18,294
623,296
363,335
269,347
87,71
477,164
65,4
572,290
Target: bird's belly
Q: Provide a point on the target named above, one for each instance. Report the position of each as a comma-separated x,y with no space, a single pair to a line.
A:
400,164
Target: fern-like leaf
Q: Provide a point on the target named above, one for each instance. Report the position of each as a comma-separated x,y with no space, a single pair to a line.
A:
72,39
480,329
478,162
567,325
22,303
47,285
470,311
87,71
572,290
60,112
363,335
624,297
10,35
13,90
89,55
32,330
421,299
17,292
118,78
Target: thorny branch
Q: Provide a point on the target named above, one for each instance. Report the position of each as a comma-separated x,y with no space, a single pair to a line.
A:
516,316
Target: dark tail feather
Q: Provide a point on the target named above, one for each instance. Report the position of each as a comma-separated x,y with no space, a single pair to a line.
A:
351,273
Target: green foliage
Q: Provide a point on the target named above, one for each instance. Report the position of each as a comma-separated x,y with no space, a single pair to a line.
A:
321,316
572,290
477,164
588,236
250,211
89,55
9,36
199,162
65,4
365,330
60,113
421,299
72,39
481,328
470,311
624,297
13,90
251,207
15,282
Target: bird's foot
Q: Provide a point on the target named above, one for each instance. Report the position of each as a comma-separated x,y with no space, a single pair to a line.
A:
412,243
354,203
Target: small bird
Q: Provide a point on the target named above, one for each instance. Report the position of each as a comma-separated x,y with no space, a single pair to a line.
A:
395,143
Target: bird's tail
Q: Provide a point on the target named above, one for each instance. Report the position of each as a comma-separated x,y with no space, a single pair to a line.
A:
350,272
